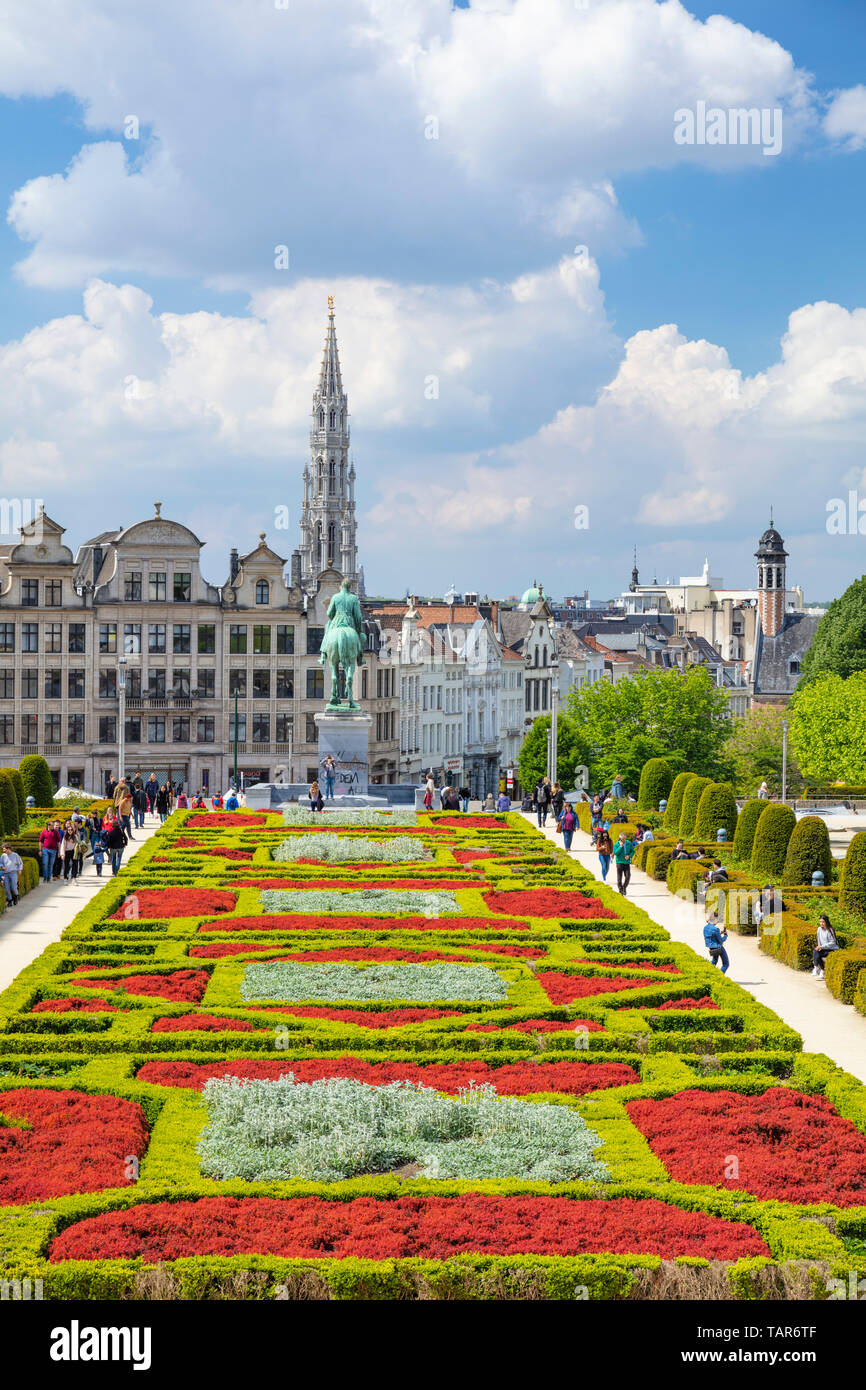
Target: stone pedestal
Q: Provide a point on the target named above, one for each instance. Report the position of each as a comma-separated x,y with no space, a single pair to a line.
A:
347,738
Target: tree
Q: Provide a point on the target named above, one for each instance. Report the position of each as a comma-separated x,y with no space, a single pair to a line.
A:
36,776
674,808
656,780
808,850
677,715
828,727
747,824
570,752
8,804
839,647
717,809
691,800
770,846
754,752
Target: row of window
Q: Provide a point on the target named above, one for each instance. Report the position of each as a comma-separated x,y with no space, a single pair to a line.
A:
52,637
156,727
536,694
157,586
263,639
386,725
52,595
157,683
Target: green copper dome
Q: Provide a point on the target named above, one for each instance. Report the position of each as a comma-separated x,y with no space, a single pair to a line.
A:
531,596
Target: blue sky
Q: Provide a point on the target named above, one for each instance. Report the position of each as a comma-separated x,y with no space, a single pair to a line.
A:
559,382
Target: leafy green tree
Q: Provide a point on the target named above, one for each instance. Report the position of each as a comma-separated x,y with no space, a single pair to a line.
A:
828,727
677,715
839,647
754,752
571,750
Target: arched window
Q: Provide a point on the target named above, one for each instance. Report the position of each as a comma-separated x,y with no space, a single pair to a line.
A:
263,591
332,540
333,419
321,419
321,475
332,477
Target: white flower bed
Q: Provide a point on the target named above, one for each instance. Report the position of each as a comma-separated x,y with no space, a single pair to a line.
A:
336,850
325,1131
393,901
294,983
364,817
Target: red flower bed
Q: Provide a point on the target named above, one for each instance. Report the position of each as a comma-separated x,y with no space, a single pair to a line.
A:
73,1006
789,1146
403,1227
632,965
215,820
537,1025
705,1002
356,885
205,1023
548,902
561,988
385,1018
514,1078
174,902
238,948
180,986
467,856
309,921
471,822
76,1143
200,846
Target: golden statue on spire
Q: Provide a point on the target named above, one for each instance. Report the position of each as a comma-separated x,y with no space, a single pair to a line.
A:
330,303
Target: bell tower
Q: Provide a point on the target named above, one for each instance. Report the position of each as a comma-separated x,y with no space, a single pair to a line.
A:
328,527
771,556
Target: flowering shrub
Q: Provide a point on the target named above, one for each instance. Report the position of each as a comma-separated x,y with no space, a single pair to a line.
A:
219,820
403,1227
790,1146
332,849
181,986
512,1078
296,983
174,902
205,1023
468,822
561,988
336,904
548,902
73,1006
291,922
329,1130
705,1002
365,816
73,1143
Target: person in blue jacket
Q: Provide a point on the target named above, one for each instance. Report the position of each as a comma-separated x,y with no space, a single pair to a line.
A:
715,937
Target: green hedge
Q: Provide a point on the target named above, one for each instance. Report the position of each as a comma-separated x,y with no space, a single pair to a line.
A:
770,846
658,860
691,800
674,808
20,794
8,804
808,851
717,810
36,776
859,1000
747,824
656,779
842,970
852,890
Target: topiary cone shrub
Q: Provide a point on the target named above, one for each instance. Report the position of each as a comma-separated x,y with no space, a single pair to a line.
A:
747,824
852,892
36,776
717,808
20,794
8,804
770,845
691,801
674,808
808,850
656,779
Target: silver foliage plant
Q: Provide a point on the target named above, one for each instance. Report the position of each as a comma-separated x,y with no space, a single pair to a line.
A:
364,817
335,850
333,903
325,1131
332,980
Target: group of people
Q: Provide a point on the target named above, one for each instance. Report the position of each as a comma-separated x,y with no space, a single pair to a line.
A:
64,846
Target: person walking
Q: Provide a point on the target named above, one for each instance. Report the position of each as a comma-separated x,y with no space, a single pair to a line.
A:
330,770
623,854
94,828
604,850
97,854
139,805
715,937
67,851
79,852
764,791
595,812
11,865
182,802
503,802
49,844
316,801
429,788
464,799
568,821
115,842
232,802
151,788
825,943
557,801
617,790
161,804
123,806
542,801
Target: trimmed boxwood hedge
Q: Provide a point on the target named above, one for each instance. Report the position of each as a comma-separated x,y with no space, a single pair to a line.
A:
36,776
691,800
808,850
852,890
20,794
656,779
674,808
8,804
747,824
717,809
770,846
842,970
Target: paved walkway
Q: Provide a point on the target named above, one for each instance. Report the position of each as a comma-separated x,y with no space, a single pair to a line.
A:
804,1003
44,913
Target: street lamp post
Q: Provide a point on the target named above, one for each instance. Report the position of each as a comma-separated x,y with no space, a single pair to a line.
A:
121,705
554,713
784,761
235,765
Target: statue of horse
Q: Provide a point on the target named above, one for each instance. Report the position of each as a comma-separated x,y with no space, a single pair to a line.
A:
343,645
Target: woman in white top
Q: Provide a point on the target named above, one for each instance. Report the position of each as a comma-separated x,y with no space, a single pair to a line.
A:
826,942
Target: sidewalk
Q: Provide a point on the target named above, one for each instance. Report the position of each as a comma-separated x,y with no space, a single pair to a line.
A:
44,913
825,1024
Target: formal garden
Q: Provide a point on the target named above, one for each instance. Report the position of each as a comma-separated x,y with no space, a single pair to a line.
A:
413,1057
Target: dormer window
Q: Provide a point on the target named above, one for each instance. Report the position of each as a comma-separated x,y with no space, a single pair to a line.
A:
794,666
263,591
